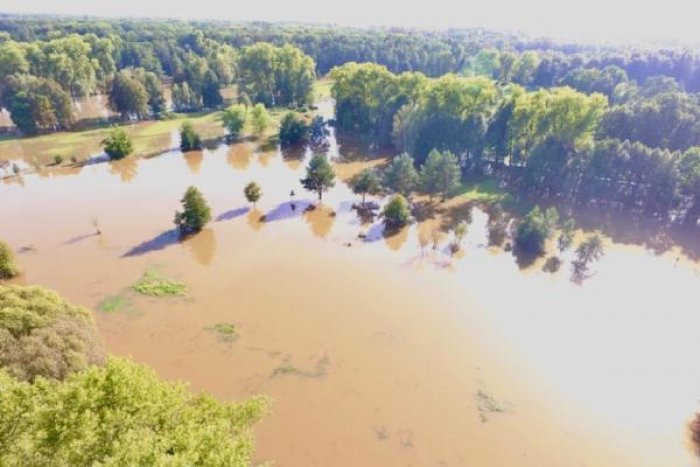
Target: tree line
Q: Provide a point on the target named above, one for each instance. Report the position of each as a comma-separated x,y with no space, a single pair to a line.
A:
641,155
40,79
434,53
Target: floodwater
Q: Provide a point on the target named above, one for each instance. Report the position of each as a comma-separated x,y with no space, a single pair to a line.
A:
374,350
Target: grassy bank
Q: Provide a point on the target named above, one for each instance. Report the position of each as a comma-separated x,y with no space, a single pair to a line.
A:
148,137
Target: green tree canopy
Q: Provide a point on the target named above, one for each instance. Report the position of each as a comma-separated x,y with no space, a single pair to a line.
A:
195,212
118,144
320,175
234,119
252,192
440,175
535,229
259,118
276,76
293,129
189,139
396,213
366,183
401,175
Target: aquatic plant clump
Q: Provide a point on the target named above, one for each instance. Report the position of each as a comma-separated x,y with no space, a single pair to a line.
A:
155,284
225,331
114,303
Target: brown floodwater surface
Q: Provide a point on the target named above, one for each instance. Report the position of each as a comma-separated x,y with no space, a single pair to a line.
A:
374,350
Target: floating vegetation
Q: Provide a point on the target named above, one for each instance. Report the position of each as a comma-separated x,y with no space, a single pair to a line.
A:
486,404
114,303
154,284
225,331
319,370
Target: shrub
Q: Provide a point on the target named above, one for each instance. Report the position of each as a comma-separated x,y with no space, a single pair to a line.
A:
396,213
189,139
8,269
234,120
252,192
535,229
259,119
41,334
195,212
118,145
58,159
293,130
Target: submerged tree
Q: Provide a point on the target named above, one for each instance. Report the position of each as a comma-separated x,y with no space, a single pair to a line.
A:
535,229
195,212
590,250
401,175
397,213
8,269
122,414
43,335
293,130
566,237
259,119
320,175
118,145
440,174
252,192
234,120
366,183
189,139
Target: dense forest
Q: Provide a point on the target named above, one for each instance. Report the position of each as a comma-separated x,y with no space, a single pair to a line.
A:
616,127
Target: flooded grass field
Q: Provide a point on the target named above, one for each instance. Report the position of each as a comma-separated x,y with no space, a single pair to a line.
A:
375,350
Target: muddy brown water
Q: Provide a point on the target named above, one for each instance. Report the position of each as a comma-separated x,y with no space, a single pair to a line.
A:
374,351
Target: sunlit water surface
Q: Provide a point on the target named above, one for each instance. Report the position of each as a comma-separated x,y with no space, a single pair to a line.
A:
375,351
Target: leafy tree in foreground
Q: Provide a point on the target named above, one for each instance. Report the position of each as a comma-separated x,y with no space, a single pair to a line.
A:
234,120
440,173
396,213
252,192
118,145
195,212
42,335
189,139
8,269
320,175
366,183
259,119
535,229
121,414
293,130
400,175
